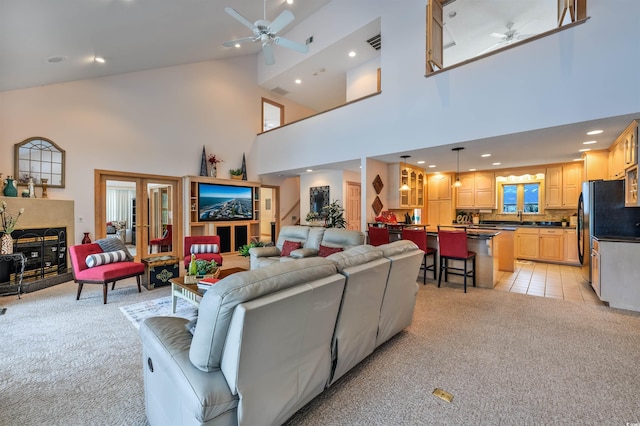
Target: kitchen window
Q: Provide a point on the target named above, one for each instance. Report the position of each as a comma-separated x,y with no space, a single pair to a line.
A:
524,197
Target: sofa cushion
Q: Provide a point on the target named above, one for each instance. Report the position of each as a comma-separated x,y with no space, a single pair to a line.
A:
292,233
397,247
219,302
289,246
325,251
314,238
114,244
204,248
98,259
303,252
355,256
336,237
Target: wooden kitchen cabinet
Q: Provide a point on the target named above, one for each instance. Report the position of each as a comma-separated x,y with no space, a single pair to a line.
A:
551,244
414,177
527,243
596,165
478,190
439,212
616,160
630,140
439,186
571,246
562,186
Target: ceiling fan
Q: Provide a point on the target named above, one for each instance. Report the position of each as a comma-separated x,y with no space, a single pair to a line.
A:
265,32
508,37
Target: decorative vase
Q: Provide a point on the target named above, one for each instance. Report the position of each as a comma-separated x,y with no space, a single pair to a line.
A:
44,182
10,189
213,171
6,244
86,239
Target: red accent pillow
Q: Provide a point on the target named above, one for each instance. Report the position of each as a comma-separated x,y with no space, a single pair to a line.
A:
289,246
325,251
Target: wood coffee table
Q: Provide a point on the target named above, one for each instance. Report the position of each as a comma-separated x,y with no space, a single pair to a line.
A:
190,292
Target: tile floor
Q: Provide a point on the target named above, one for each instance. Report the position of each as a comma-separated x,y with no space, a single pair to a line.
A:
548,280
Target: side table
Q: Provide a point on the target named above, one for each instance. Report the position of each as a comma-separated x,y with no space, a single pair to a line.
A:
189,292
13,258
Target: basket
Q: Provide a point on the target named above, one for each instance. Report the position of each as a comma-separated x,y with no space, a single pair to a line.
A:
193,279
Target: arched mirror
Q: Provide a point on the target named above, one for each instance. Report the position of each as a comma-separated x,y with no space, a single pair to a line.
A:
41,159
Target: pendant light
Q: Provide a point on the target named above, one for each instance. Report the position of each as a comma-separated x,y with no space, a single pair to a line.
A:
457,184
404,186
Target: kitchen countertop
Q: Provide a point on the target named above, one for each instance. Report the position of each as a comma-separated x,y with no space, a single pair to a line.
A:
616,239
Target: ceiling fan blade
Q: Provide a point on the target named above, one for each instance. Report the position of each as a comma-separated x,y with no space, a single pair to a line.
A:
232,43
231,11
497,35
284,19
302,48
267,50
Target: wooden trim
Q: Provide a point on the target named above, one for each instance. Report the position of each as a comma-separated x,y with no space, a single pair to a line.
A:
286,215
434,36
510,46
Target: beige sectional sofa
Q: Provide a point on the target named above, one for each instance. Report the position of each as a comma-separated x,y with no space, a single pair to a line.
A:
267,341
310,237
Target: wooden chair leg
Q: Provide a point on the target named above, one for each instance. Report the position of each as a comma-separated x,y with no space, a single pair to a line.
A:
465,275
140,288
424,268
79,291
474,271
104,293
440,274
113,286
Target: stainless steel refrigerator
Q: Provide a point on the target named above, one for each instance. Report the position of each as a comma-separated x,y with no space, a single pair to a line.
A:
601,213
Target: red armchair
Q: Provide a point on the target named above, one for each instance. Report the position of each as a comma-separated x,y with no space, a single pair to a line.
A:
165,240
202,239
103,274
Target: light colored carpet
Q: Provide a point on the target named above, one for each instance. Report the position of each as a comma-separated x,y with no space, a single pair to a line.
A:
507,359
138,312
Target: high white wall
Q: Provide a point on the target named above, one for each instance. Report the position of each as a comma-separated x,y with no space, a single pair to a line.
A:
153,122
363,80
582,73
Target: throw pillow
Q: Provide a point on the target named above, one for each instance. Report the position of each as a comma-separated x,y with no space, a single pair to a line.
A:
289,246
98,259
114,244
204,248
325,251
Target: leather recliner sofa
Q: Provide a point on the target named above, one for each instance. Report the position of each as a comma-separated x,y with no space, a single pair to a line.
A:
268,341
310,237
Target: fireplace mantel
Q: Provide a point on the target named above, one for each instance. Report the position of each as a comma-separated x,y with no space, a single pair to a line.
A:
43,213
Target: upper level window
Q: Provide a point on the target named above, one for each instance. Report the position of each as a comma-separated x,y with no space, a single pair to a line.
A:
272,114
463,30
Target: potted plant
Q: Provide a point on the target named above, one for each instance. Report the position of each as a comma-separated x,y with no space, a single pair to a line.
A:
236,173
334,215
244,250
564,221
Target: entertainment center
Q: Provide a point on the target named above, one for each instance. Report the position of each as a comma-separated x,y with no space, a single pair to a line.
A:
228,208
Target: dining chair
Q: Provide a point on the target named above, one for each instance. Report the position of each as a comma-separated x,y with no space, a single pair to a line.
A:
453,246
378,236
419,237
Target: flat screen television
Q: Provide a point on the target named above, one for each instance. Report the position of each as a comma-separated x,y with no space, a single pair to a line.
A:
218,202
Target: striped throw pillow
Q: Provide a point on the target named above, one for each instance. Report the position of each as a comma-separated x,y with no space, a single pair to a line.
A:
94,260
204,248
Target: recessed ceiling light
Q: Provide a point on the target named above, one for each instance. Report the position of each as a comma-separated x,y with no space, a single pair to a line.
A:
496,164
421,162
472,170
453,14
431,166
485,155
594,132
237,45
57,59
589,142
99,59
584,150
289,1
577,159
309,170
298,81
352,54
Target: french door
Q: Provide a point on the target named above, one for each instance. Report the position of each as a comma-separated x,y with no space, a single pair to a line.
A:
144,211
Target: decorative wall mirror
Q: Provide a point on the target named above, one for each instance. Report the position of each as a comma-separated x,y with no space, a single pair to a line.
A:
41,159
319,197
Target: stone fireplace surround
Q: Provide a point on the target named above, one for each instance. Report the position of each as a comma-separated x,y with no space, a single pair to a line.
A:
43,213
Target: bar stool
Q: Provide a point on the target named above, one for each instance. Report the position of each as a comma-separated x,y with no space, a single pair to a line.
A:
419,237
378,236
453,245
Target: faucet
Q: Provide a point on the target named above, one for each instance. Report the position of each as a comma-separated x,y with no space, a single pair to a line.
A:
520,215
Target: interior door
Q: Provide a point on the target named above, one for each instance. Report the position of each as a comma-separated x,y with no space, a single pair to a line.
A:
150,207
353,206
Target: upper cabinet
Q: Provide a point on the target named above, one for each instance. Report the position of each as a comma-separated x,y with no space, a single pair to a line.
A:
412,176
439,187
478,190
596,165
623,154
562,186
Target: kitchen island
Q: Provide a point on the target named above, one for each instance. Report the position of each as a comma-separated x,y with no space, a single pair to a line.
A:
487,244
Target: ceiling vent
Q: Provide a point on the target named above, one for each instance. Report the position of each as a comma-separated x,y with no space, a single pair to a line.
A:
279,91
375,42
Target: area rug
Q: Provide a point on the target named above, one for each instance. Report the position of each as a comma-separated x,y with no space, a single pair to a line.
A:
138,312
